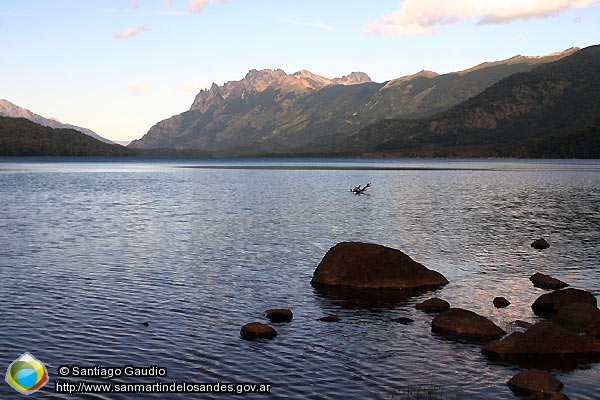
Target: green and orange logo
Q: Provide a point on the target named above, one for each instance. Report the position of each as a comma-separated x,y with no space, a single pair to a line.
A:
26,374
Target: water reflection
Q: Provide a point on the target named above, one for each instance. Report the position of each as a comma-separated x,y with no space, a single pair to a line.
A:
90,251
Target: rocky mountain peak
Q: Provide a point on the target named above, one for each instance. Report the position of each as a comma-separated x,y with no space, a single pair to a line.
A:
354,78
257,81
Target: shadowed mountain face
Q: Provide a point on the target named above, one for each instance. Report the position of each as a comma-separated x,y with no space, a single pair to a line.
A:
8,109
551,111
271,112
22,137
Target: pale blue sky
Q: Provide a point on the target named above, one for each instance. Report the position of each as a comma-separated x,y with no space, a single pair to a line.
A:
119,66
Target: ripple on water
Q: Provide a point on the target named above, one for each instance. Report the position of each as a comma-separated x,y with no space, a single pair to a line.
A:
92,251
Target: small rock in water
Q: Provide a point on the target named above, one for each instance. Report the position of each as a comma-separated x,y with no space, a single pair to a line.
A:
540,244
279,314
534,381
330,318
522,324
465,324
256,330
434,305
546,281
501,302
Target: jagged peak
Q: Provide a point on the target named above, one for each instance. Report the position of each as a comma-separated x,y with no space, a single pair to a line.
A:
354,78
259,80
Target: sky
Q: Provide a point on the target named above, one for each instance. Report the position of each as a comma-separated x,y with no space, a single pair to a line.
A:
118,67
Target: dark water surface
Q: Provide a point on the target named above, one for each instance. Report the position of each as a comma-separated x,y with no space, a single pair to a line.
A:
89,250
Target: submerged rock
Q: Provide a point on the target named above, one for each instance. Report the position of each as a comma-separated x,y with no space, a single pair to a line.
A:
546,281
434,305
522,324
501,302
552,302
540,244
534,381
372,266
403,320
464,324
256,330
330,318
279,314
544,340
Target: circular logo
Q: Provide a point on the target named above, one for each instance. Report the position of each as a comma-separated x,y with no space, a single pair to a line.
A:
26,374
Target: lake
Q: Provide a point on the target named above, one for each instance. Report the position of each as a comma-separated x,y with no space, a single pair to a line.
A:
92,248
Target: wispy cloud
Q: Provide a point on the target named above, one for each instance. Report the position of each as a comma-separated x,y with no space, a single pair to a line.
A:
131,5
317,24
420,17
138,87
195,6
130,32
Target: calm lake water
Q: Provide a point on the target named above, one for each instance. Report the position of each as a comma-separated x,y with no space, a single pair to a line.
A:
89,249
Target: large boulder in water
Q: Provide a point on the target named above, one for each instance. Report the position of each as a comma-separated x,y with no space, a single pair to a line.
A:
464,324
372,266
553,301
544,340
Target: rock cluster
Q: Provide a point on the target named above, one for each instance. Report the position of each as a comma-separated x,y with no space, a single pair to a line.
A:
258,330
543,340
360,266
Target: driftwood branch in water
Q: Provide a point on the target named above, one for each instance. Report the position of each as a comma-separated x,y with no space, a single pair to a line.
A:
359,190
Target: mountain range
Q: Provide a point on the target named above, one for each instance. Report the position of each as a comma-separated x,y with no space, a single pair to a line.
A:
551,111
534,107
271,112
8,109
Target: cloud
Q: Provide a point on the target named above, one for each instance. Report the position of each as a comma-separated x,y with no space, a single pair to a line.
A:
318,24
130,32
138,87
420,17
168,3
195,6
